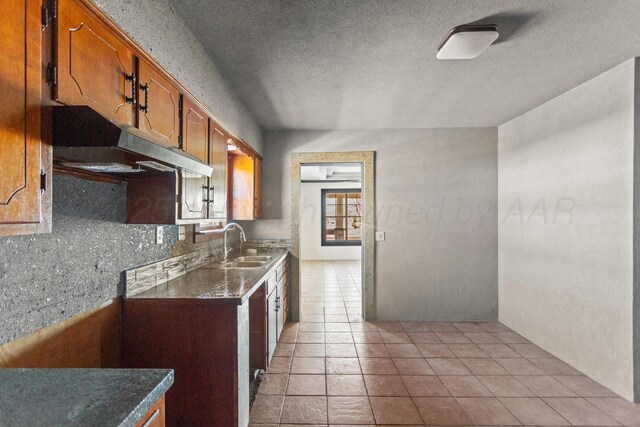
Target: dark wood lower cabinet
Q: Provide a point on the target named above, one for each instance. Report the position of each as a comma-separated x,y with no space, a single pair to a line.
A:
214,347
257,327
206,343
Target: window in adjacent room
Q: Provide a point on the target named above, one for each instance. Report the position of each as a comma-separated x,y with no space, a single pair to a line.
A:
341,217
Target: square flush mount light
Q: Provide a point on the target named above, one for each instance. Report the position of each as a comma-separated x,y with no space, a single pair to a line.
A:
467,41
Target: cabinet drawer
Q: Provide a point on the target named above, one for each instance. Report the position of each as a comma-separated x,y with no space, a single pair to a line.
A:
272,282
155,417
279,271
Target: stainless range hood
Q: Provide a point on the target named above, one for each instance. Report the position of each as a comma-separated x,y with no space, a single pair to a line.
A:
84,139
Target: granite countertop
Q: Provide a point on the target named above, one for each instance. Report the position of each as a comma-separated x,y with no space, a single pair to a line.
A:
209,282
79,397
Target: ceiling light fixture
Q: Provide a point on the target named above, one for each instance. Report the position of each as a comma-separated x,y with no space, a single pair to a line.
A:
467,41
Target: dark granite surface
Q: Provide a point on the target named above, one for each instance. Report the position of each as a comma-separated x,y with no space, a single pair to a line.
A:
79,397
47,278
209,282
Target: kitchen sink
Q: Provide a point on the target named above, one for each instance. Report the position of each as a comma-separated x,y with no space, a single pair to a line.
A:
242,264
258,258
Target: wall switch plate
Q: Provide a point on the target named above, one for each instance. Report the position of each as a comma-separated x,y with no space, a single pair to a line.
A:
182,232
159,235
380,236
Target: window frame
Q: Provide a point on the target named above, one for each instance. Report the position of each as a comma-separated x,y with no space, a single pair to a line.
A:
323,219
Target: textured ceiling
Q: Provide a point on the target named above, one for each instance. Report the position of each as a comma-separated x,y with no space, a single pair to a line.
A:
370,64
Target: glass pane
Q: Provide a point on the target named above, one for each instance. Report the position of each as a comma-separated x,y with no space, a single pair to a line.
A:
355,228
342,216
340,233
340,222
330,226
335,210
335,197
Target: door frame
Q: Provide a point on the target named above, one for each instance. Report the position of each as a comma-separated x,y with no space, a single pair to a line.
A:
367,160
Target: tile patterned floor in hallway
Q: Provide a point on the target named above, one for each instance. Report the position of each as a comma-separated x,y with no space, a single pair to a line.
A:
333,369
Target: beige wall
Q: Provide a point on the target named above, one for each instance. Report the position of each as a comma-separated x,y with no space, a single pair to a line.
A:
436,199
565,222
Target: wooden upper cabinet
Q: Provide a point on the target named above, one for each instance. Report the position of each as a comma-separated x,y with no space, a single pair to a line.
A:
195,141
242,188
95,67
20,122
218,181
158,105
195,130
257,188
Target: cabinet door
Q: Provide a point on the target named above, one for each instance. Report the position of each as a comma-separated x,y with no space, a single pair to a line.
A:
193,195
280,310
158,105
257,190
195,139
218,181
242,175
20,143
272,325
93,64
195,130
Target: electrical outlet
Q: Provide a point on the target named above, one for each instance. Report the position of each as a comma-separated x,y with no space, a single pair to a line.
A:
182,232
380,236
159,235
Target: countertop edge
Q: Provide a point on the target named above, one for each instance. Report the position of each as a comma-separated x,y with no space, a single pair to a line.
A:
147,403
265,276
238,300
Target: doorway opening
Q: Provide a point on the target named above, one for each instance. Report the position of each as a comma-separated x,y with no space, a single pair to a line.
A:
332,223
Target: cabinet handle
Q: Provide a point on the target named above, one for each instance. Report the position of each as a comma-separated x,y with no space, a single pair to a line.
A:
207,194
277,303
145,88
131,99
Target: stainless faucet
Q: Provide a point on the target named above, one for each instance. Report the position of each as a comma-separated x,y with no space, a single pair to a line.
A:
243,237
223,231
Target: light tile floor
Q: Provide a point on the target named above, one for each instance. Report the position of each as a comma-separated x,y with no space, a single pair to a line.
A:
333,369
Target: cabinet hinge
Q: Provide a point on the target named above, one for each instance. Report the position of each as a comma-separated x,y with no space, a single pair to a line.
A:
43,181
48,13
52,74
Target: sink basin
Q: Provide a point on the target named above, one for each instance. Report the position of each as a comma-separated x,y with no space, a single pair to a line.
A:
243,264
253,258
